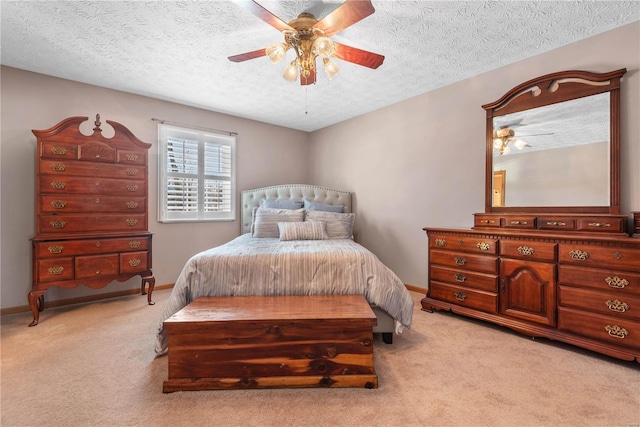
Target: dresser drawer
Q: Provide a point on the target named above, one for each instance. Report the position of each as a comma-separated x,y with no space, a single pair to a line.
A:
476,299
469,279
132,262
92,169
469,262
91,246
601,224
603,256
623,332
96,266
52,224
132,157
602,302
616,282
53,270
51,184
58,150
522,222
556,223
480,220
535,251
97,204
464,243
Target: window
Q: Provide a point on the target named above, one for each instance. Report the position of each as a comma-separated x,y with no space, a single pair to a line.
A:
197,175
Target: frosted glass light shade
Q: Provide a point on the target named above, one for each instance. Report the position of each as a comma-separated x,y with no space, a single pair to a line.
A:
330,67
324,47
291,72
276,52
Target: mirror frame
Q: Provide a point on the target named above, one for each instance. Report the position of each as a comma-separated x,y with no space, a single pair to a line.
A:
552,89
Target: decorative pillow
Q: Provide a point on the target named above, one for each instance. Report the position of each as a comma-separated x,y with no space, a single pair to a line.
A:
280,204
309,230
339,225
266,220
315,206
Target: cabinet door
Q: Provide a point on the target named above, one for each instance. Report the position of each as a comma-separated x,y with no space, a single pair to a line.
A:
527,291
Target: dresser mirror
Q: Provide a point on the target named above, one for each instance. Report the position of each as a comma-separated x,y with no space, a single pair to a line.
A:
553,145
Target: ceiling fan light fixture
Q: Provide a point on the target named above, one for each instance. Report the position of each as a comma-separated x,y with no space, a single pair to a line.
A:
291,72
520,144
330,67
276,52
324,47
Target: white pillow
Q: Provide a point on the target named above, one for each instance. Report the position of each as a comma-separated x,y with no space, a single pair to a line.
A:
265,220
339,225
308,230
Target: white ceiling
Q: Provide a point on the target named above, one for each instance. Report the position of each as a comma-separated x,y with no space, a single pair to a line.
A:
178,51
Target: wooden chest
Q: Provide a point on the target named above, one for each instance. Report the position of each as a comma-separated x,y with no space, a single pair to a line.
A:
271,341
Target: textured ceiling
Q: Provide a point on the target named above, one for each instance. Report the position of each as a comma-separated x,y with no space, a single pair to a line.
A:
178,51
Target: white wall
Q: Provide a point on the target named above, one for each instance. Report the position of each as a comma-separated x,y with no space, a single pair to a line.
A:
420,163
266,155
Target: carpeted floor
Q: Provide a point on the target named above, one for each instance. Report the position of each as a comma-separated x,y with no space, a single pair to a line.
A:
94,365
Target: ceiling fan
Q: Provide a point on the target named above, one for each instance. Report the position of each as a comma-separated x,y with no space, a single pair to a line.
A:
309,38
504,135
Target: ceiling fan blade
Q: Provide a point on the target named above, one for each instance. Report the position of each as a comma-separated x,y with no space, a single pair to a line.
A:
347,14
263,14
309,80
247,55
358,56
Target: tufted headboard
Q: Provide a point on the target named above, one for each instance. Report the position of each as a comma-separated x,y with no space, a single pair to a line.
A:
313,193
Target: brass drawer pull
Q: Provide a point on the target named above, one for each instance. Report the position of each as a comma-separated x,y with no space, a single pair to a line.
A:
460,296
599,224
132,157
616,331
440,242
132,172
557,223
133,244
460,260
131,221
526,250
58,185
56,270
617,306
58,204
55,249
60,151
134,262
58,167
579,255
617,282
132,204
519,222
487,221
617,255
58,224
132,188
460,277
483,246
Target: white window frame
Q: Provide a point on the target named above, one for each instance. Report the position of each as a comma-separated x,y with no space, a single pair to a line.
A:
166,215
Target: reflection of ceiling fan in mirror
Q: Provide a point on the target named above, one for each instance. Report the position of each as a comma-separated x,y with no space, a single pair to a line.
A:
309,38
504,135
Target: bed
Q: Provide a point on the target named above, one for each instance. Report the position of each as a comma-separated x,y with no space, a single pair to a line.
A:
295,240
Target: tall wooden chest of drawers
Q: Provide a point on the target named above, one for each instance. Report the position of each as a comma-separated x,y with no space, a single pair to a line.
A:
580,289
91,210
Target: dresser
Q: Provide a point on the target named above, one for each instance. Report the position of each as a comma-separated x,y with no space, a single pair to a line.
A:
91,210
552,255
576,289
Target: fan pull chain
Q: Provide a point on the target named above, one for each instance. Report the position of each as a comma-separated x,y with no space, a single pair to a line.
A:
306,100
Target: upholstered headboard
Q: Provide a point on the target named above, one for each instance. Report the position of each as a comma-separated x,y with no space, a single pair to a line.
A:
313,193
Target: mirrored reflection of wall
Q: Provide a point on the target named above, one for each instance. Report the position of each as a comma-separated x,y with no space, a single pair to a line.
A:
573,176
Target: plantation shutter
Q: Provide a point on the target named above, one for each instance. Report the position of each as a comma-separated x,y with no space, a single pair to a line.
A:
197,175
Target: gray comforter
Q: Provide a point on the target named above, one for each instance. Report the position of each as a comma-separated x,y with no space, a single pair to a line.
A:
268,266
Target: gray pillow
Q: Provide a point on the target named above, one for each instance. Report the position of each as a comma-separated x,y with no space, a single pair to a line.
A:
339,225
308,230
265,220
280,204
316,206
